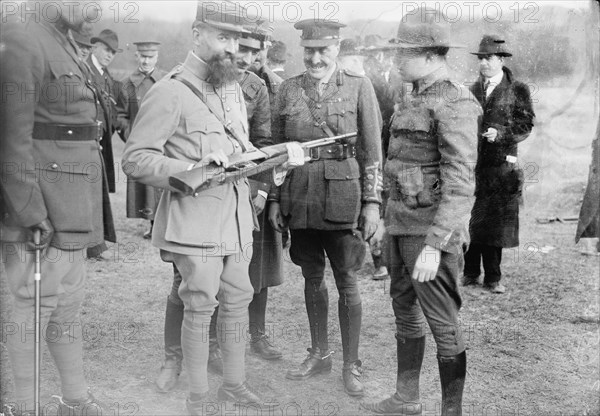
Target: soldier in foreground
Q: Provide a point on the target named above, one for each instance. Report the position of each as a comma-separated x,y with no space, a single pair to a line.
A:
192,117
63,200
325,201
429,167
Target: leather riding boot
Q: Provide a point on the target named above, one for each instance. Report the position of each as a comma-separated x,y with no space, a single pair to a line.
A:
406,400
316,298
316,362
215,358
452,376
351,372
171,368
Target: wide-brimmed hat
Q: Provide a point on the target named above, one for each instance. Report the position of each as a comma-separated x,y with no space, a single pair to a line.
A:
109,38
492,45
317,33
350,47
375,43
426,28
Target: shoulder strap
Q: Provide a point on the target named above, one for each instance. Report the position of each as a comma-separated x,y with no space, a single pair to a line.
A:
315,115
215,113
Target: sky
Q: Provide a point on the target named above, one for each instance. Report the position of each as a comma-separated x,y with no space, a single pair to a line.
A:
294,11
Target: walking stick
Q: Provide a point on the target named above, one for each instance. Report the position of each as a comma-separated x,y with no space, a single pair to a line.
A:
37,277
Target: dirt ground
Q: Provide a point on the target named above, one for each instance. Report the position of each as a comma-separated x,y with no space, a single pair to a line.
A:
531,351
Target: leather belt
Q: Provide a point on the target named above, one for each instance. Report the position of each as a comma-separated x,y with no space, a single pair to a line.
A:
82,132
332,151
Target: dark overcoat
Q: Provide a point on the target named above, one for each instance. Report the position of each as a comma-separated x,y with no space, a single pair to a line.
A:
499,180
266,265
142,200
589,216
109,90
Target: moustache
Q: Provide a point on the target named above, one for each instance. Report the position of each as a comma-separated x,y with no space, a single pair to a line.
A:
309,64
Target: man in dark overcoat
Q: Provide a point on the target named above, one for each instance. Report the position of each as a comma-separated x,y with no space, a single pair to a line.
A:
141,199
52,183
326,200
507,120
105,47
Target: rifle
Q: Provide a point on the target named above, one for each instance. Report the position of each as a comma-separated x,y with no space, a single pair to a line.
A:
243,165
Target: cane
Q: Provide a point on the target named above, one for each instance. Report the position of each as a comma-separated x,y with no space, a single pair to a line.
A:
37,277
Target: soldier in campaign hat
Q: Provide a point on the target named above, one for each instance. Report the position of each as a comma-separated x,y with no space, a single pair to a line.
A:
430,175
507,120
182,124
325,201
141,200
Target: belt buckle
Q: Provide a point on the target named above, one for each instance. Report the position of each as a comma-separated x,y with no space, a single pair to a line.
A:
314,154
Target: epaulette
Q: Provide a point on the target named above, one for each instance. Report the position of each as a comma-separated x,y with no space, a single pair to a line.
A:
177,70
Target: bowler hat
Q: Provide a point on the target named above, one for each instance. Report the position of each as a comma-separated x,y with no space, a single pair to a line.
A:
223,15
147,46
427,28
318,33
109,38
492,45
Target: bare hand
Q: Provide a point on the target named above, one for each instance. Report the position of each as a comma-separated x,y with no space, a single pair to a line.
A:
259,203
369,220
427,264
491,134
219,158
277,221
46,232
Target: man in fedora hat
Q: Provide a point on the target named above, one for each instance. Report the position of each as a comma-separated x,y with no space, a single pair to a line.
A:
84,43
507,120
141,199
325,201
429,171
192,117
104,48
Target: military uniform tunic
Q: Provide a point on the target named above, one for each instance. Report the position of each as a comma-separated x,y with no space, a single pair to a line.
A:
327,194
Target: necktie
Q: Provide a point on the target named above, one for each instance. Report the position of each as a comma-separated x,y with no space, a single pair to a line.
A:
486,85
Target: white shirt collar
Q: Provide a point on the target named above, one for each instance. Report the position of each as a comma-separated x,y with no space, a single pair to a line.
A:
97,64
493,82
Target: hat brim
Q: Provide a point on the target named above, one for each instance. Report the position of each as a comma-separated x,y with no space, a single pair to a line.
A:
229,27
402,45
318,43
503,54
96,40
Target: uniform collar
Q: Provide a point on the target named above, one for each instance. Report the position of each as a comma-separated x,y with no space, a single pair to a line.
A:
196,66
427,81
138,76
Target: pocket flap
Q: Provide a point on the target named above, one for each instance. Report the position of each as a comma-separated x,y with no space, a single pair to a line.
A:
415,120
205,126
341,170
69,157
62,68
341,108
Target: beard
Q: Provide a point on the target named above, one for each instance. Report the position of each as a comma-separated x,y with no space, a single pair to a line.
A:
222,69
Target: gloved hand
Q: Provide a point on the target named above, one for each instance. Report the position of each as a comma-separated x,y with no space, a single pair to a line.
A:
295,155
427,264
369,220
277,221
46,233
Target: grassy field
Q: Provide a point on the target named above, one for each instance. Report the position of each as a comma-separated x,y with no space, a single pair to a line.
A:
532,351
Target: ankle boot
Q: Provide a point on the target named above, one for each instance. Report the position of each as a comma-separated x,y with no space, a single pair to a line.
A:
452,376
351,372
406,400
316,362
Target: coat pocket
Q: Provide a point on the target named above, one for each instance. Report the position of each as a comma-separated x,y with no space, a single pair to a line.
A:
343,196
70,177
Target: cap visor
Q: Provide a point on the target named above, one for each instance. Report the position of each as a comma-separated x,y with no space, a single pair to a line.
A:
318,43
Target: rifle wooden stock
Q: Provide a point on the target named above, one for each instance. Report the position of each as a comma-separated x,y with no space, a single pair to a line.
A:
244,165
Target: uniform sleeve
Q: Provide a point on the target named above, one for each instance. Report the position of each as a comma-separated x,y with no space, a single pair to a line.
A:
369,141
457,126
279,134
21,70
143,157
123,111
260,128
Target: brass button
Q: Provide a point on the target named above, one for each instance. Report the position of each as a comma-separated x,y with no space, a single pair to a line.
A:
347,177
228,109
54,166
319,106
70,132
100,147
316,124
70,74
195,194
236,145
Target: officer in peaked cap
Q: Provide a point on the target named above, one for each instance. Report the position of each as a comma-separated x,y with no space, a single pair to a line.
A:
324,201
197,102
430,172
507,120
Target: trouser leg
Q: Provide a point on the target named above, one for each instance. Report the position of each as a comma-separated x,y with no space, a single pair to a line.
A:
174,320
472,268
492,257
257,311
62,291
307,252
